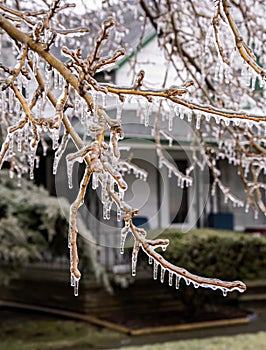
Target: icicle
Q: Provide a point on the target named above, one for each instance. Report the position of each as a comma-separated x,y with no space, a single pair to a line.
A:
177,282
170,278
55,79
198,121
55,165
19,140
134,266
11,144
69,173
155,270
10,101
76,102
147,114
119,108
170,118
76,286
37,162
55,138
150,260
32,170
3,101
122,243
187,281
189,115
224,292
162,274
72,280
181,113
217,119
118,215
95,181
108,213
227,121
83,114
236,121
253,83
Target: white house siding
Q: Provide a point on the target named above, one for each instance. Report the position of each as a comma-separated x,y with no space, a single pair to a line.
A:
159,198
143,194
152,61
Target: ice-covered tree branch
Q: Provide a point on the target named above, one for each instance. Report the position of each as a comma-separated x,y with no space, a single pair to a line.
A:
52,68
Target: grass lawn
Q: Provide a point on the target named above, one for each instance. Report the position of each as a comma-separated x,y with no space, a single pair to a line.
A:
238,342
40,332
24,331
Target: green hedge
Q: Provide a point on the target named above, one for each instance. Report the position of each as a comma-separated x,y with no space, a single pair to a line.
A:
214,253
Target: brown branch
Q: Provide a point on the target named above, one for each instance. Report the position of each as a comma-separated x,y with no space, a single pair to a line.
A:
95,56
19,14
166,94
147,247
73,223
216,23
242,47
24,105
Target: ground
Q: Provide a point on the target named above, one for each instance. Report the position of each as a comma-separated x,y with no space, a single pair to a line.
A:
22,330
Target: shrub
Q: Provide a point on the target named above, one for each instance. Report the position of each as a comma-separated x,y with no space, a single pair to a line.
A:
214,253
33,227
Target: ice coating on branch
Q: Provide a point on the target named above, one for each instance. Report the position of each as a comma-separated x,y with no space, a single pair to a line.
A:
180,273
127,167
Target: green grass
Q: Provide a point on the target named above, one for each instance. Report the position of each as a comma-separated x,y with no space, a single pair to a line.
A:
54,334
45,333
238,342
